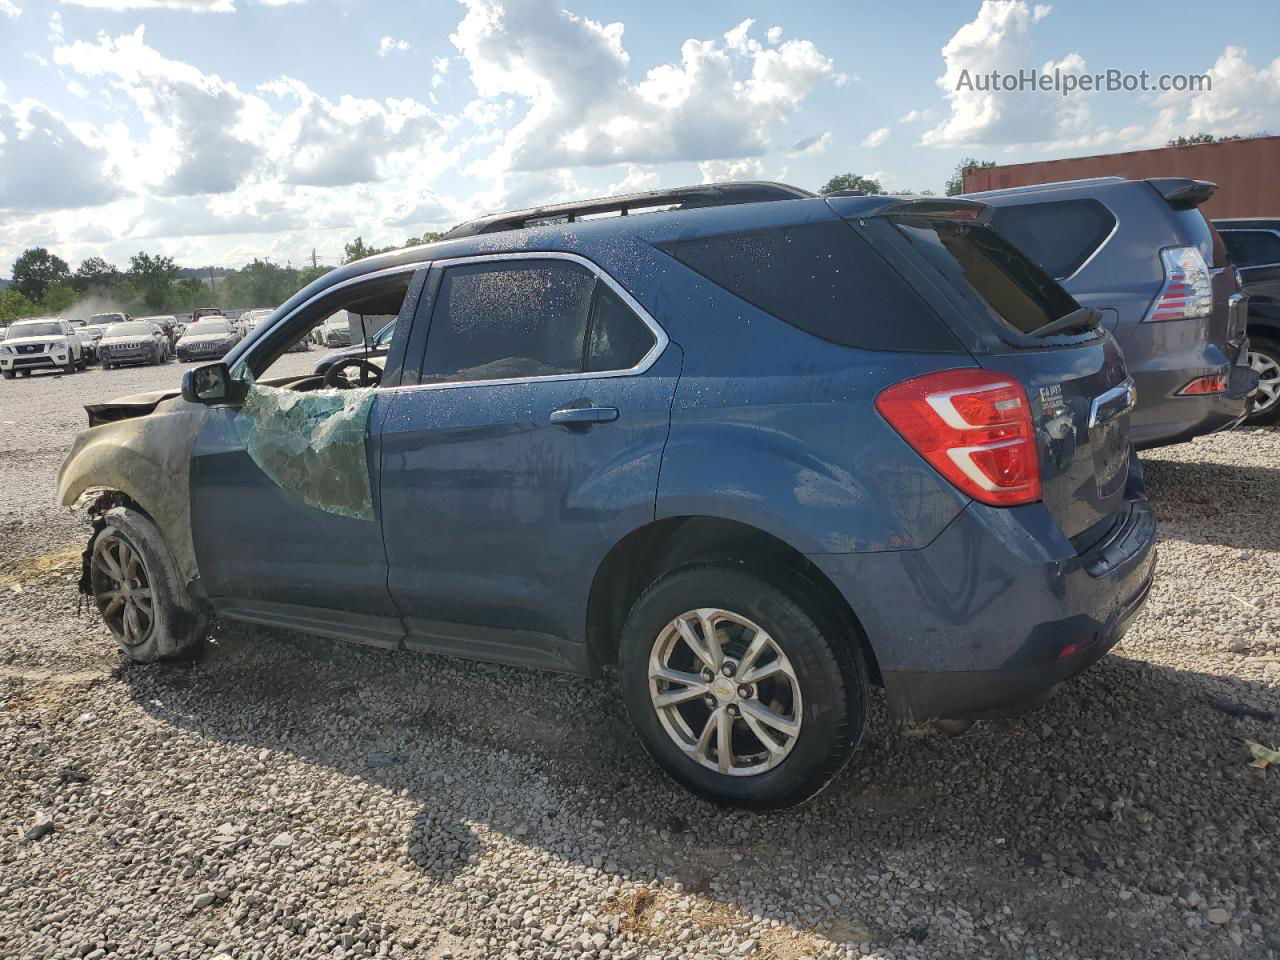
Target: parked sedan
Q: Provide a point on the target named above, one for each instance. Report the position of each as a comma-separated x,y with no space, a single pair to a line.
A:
138,341
377,346
208,338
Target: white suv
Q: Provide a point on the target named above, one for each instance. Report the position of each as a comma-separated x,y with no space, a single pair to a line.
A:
42,343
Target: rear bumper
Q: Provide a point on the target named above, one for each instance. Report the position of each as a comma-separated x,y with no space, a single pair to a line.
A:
1162,417
998,610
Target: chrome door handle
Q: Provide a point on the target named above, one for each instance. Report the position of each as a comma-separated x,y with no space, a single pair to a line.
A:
584,416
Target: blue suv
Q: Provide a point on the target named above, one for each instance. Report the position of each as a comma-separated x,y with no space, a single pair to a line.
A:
759,449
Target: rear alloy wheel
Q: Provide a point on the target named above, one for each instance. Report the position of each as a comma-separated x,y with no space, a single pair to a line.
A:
1264,357
138,591
746,693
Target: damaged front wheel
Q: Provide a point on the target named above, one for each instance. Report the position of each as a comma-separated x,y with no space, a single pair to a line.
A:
138,591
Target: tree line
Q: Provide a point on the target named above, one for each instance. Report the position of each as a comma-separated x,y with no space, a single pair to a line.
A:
44,284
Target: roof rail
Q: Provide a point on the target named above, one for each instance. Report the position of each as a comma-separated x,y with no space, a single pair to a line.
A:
680,198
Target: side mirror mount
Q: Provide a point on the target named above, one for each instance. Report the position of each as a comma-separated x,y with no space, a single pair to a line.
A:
209,384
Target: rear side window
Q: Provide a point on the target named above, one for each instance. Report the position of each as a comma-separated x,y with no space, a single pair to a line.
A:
1060,236
823,278
1252,248
988,271
619,339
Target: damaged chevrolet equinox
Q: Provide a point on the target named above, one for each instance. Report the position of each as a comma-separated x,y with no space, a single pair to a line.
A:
761,450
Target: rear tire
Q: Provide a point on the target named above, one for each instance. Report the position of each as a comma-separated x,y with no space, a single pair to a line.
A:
1264,356
139,591
8,374
812,707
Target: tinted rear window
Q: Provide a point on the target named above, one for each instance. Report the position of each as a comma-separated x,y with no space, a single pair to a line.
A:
1060,236
990,272
823,278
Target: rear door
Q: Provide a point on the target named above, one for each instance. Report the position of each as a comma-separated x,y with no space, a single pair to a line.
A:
529,446
1075,379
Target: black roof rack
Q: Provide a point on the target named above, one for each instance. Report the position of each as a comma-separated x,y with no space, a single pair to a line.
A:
681,198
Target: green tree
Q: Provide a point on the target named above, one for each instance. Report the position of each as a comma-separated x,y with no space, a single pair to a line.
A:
357,249
851,181
429,237
955,185
1194,139
94,272
15,306
152,277
35,269
58,298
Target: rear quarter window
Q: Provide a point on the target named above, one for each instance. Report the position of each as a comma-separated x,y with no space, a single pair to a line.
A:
1059,235
824,279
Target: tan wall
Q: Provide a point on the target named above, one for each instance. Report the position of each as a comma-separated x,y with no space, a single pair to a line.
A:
1247,173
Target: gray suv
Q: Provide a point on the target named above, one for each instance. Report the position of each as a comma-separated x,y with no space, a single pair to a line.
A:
1142,254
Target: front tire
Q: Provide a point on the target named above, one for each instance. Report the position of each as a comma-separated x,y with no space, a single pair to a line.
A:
764,716
139,591
1264,356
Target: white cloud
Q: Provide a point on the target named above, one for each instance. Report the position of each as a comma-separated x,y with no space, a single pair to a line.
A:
810,146
636,180
391,45
721,100
916,116
716,171
773,34
999,39
45,164
205,134
196,6
876,137
1243,99
322,142
10,9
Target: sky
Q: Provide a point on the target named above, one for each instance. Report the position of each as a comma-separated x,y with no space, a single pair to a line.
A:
217,131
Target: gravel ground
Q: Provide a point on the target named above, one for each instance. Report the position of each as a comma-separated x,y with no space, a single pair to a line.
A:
291,797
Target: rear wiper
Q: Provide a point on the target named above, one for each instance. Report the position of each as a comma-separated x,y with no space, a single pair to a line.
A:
1085,318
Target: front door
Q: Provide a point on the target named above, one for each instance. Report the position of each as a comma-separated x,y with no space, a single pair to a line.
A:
294,537
529,447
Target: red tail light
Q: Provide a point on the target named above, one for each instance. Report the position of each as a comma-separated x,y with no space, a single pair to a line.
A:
1202,386
1187,290
974,428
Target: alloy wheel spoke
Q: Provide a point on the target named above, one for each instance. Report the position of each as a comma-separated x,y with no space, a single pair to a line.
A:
691,687
756,709
708,731
708,653
758,645
763,735
724,740
770,669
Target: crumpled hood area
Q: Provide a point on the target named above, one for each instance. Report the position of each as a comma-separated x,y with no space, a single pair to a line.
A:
312,444
124,408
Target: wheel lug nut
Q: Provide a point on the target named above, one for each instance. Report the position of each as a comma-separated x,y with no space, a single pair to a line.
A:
729,669
744,692
708,676
710,701
733,709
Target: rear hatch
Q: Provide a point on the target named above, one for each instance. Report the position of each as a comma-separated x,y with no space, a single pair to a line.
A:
1017,321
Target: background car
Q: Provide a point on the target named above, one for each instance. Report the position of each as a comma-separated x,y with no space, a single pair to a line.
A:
89,337
378,346
1253,245
138,341
106,319
208,338
335,331
1142,254
43,343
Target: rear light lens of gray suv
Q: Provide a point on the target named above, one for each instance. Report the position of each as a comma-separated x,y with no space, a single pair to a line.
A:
1188,291
972,426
